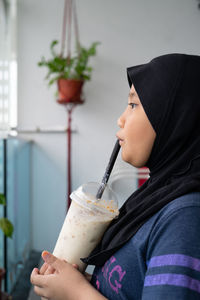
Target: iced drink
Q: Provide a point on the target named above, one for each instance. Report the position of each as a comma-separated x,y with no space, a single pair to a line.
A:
85,223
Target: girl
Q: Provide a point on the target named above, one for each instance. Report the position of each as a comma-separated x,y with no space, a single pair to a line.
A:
152,250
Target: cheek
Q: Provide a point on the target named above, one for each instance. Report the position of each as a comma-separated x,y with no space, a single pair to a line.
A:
137,133
138,146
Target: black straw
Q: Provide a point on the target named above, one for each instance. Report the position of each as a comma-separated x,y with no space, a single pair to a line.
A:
108,170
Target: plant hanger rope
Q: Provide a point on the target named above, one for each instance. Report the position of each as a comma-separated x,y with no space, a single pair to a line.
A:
64,30
69,14
69,23
76,29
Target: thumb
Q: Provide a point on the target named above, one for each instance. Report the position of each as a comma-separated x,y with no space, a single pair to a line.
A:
53,261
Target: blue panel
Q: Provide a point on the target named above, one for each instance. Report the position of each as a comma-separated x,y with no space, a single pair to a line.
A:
18,206
1,207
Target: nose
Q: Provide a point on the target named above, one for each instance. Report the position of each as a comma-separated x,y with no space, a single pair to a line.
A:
120,121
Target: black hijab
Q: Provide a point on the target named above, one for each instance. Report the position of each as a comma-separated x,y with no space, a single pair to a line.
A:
169,90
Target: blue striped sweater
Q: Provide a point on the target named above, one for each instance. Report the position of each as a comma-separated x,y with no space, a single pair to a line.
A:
161,261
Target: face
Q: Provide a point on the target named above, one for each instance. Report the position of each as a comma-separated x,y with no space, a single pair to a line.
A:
136,135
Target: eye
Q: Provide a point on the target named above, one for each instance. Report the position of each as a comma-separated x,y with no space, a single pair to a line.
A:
133,105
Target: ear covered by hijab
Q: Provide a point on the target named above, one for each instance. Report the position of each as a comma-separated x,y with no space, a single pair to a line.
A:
169,90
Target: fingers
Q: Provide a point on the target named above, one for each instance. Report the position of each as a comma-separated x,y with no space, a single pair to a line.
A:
43,268
75,266
40,284
39,291
48,257
53,261
36,278
50,270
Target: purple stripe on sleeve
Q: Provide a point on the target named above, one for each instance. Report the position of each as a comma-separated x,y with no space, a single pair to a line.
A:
173,279
175,260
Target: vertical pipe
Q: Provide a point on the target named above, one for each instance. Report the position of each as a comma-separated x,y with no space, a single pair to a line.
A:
69,158
70,106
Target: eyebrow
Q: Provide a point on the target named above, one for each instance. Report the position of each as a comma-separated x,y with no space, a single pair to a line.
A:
131,95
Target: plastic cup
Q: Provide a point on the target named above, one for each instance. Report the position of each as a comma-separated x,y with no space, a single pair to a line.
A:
85,223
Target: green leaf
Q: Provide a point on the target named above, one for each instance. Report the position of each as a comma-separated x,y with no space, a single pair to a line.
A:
86,77
89,69
53,43
92,49
53,80
42,62
74,68
2,199
6,226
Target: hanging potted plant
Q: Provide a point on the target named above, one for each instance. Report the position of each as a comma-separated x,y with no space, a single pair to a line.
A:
69,71
7,228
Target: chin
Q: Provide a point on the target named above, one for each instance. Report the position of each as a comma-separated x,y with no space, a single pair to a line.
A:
138,165
129,161
135,163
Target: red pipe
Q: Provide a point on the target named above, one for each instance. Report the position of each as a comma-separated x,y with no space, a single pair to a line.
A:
69,158
69,133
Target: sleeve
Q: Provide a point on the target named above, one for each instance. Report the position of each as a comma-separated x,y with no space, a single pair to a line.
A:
173,257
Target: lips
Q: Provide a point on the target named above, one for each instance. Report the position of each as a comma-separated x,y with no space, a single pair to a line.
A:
119,138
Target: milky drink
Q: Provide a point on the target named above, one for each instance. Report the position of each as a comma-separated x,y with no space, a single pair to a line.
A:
85,223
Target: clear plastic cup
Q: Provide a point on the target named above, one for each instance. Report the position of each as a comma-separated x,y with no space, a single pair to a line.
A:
85,223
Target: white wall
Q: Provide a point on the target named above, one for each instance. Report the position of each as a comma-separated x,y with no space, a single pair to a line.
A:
130,32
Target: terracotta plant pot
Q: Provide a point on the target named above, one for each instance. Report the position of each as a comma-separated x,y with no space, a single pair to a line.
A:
70,91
